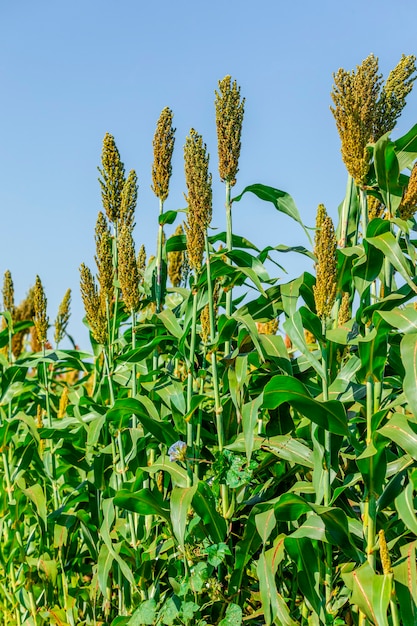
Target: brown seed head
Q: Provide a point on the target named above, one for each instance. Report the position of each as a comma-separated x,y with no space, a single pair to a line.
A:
408,204
113,178
163,147
128,269
199,198
355,96
229,117
40,318
96,316
62,318
326,270
104,259
128,200
176,262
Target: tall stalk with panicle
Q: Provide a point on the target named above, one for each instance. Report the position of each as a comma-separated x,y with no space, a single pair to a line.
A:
9,308
199,202
129,279
229,117
365,108
163,147
325,296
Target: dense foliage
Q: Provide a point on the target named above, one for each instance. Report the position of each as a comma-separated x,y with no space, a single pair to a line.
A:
234,448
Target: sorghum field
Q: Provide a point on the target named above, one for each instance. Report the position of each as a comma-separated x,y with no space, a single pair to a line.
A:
234,449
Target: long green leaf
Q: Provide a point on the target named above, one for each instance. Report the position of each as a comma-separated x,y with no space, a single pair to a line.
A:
205,506
399,430
281,200
409,359
404,503
329,415
180,504
370,592
405,577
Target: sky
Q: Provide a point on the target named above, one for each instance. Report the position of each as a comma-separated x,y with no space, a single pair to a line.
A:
72,71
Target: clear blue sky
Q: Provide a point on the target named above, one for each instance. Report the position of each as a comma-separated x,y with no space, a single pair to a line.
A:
72,71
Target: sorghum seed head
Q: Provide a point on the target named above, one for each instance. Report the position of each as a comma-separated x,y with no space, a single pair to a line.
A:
205,323
24,311
229,117
104,258
375,207
40,318
8,293
365,108
344,309
199,198
392,101
128,200
96,317
141,263
113,178
63,403
384,553
355,96
62,318
176,262
408,204
128,269
267,328
326,269
163,147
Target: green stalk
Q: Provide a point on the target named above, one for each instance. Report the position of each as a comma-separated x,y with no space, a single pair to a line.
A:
217,402
370,504
364,211
134,386
327,476
159,261
393,606
33,609
52,462
190,377
229,247
107,370
10,501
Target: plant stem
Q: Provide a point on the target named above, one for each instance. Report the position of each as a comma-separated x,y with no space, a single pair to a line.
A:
370,505
159,261
327,469
190,376
364,211
229,247
217,402
134,386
